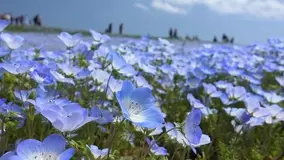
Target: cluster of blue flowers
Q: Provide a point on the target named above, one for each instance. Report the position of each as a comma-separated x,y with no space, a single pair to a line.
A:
81,101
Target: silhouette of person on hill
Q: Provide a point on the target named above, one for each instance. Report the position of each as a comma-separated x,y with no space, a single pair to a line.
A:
175,34
121,29
171,33
215,40
225,38
37,21
232,40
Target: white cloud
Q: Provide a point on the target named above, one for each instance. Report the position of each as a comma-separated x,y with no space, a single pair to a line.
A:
167,7
261,8
141,6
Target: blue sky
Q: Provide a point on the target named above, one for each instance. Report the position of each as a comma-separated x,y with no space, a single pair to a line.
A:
247,20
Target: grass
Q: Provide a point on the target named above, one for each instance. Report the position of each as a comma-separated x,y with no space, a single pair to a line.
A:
56,30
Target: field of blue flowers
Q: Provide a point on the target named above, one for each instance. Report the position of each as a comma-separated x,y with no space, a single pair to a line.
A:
141,99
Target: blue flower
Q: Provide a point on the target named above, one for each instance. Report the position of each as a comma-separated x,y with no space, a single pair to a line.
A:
13,42
68,117
69,69
138,106
69,40
3,24
8,155
272,97
194,102
236,93
101,116
280,80
98,153
253,107
60,78
99,38
41,77
157,150
52,147
211,90
193,132
119,63
23,95
18,67
146,66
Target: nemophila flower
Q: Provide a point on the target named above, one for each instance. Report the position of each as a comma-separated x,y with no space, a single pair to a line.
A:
194,102
280,80
8,155
174,132
251,79
23,95
100,76
253,107
146,66
43,77
13,42
193,132
276,114
223,84
101,116
68,118
257,89
84,73
236,93
70,40
156,131
157,150
206,111
193,82
11,108
115,85
207,70
142,82
69,69
52,147
272,97
211,90
198,73
60,78
3,24
119,63
138,106
4,51
98,153
18,67
99,38
235,71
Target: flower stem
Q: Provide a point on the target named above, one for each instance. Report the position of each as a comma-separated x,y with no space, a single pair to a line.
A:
112,140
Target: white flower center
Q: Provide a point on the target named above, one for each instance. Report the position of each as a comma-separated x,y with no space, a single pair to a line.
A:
44,156
134,108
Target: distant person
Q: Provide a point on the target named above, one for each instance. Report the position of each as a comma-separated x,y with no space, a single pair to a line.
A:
21,20
171,33
121,29
225,38
215,40
232,40
175,34
110,28
37,20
